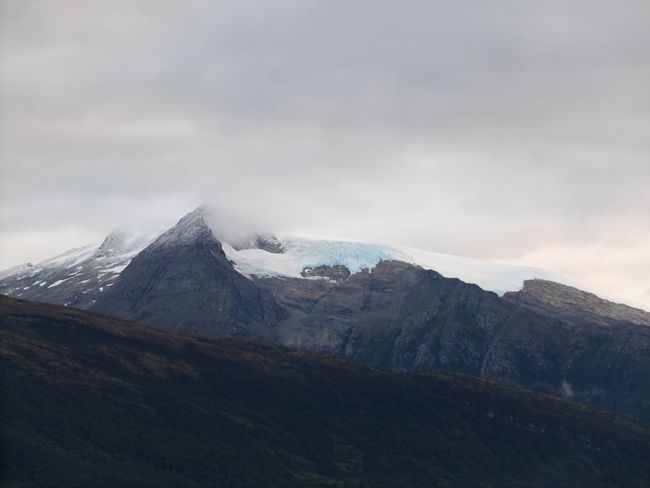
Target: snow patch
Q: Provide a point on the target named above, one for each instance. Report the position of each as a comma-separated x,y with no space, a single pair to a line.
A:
115,269
56,283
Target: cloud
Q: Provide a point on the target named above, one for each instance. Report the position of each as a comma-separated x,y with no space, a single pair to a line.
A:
491,129
566,390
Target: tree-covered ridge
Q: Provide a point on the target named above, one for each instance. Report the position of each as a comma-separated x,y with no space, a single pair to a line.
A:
93,401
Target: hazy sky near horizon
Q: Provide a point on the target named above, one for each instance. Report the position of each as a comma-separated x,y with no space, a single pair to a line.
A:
510,130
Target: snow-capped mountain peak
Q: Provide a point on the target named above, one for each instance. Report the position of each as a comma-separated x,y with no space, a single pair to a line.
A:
85,271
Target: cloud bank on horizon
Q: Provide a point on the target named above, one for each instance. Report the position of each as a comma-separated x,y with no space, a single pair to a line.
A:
510,130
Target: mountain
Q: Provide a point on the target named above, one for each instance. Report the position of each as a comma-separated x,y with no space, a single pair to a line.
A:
78,277
575,305
382,306
90,269
93,401
184,281
408,319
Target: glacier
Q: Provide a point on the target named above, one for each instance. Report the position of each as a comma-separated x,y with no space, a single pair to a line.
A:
301,252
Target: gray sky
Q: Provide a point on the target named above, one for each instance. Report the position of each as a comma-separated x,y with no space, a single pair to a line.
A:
511,130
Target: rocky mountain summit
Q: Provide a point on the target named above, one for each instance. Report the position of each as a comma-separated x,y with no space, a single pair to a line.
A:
386,307
264,241
184,281
78,277
576,305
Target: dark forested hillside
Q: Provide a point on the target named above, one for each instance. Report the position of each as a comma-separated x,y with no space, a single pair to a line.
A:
93,401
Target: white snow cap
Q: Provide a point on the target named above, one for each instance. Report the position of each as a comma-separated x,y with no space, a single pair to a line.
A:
301,252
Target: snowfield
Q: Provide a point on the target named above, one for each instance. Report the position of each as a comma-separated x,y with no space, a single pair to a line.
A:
301,252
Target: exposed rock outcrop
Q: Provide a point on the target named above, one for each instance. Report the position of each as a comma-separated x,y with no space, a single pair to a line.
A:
184,281
333,273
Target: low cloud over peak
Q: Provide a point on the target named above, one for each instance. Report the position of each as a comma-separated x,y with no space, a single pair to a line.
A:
509,130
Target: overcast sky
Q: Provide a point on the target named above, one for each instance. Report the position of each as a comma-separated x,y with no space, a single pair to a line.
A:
511,130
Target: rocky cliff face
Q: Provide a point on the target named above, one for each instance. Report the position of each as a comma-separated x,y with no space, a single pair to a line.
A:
184,281
408,319
575,305
397,316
